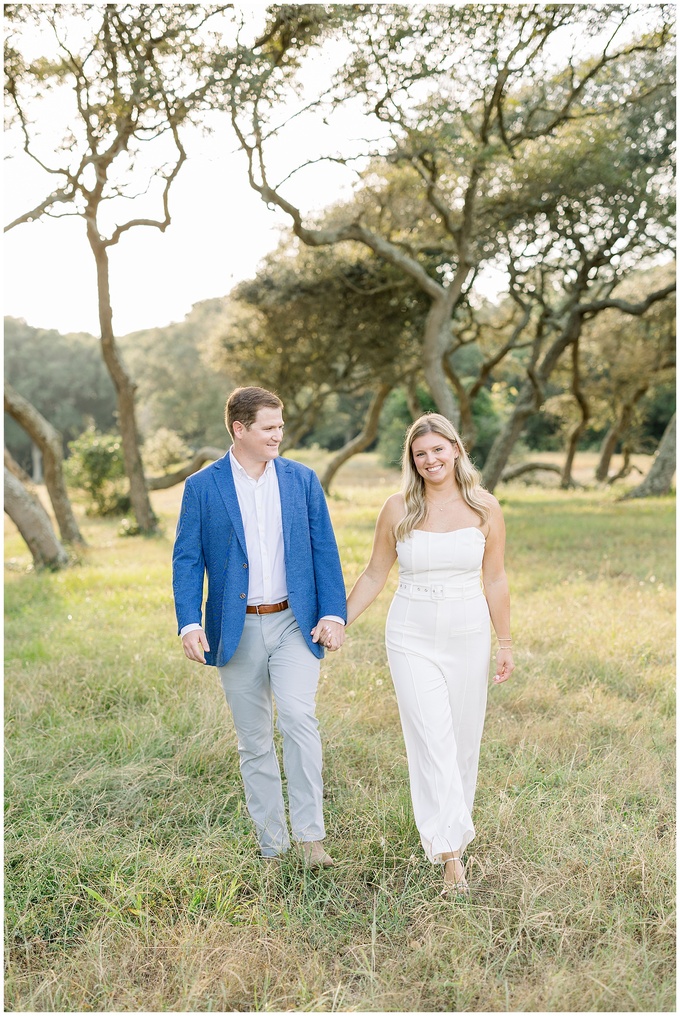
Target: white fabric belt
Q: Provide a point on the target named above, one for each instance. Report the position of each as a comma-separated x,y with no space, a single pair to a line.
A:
466,591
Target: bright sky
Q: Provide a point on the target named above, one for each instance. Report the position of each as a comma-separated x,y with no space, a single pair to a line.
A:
219,233
220,229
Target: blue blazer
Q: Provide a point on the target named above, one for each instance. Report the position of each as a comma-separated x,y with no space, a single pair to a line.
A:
210,541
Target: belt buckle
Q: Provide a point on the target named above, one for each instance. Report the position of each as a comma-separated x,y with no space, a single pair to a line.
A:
438,592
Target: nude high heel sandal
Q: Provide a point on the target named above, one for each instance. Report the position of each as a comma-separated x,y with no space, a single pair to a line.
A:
458,886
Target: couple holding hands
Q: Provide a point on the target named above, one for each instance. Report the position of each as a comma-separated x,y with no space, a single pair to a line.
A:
257,526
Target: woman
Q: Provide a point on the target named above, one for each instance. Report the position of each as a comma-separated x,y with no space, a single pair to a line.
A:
446,531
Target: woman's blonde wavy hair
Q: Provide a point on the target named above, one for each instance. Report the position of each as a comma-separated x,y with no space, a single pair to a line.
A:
413,486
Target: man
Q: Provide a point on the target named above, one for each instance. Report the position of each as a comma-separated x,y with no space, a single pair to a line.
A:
258,526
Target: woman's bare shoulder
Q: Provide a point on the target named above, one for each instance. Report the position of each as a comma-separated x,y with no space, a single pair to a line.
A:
488,499
394,508
495,523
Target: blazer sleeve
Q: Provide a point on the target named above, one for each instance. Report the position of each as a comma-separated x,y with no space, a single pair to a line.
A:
330,585
188,562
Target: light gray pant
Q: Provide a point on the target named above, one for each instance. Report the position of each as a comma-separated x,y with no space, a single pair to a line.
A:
273,659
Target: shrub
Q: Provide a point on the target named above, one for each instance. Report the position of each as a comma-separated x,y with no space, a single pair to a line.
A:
396,419
95,465
165,448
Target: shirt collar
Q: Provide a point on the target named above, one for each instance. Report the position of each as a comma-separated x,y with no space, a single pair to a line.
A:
235,462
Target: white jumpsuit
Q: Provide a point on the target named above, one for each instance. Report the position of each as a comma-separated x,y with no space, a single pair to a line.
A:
438,646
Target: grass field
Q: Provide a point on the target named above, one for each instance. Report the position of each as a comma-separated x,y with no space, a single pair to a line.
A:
132,881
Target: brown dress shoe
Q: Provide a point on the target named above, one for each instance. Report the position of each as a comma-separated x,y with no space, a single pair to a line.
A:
314,855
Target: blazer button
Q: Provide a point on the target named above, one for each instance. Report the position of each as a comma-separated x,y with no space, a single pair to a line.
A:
245,565
243,596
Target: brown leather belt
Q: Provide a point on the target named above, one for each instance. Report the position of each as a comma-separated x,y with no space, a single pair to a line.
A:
267,608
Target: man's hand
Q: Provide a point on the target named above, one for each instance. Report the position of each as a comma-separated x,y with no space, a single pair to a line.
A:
330,634
194,643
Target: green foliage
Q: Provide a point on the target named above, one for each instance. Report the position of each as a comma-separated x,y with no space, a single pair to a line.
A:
538,141
63,376
487,423
543,432
394,422
396,418
164,448
317,323
656,410
340,418
178,388
96,466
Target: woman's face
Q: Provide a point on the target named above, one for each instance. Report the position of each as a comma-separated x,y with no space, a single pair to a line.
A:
434,457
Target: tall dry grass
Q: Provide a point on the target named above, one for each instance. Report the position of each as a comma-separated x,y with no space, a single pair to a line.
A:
132,881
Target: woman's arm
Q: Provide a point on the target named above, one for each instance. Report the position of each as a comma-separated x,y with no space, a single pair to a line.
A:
496,588
384,554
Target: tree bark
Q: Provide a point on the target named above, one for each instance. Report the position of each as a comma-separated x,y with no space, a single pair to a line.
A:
37,459
532,395
616,431
607,449
436,341
508,436
627,466
206,454
512,472
412,400
660,477
33,522
466,423
50,443
366,437
15,468
578,429
124,385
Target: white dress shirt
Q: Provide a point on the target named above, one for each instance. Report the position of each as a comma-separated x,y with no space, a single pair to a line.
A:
260,504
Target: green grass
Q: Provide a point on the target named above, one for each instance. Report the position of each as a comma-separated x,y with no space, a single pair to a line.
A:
131,876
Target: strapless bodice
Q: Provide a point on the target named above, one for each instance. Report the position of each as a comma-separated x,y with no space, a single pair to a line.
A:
447,559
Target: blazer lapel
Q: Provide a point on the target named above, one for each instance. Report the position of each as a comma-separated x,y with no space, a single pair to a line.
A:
286,494
225,482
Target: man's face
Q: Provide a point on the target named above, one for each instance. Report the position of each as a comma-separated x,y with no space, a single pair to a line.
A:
261,441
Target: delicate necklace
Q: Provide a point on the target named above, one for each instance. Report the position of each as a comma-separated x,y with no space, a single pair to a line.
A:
443,504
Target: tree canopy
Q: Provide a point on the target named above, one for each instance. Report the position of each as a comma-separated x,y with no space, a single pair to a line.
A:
466,95
501,245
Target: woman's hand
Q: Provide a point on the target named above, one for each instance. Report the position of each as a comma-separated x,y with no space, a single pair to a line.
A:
329,634
504,665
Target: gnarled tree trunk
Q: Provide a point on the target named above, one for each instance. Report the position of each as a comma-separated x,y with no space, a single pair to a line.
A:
512,472
15,468
124,385
50,443
578,429
660,477
33,522
412,401
506,439
436,339
616,432
466,424
203,455
358,444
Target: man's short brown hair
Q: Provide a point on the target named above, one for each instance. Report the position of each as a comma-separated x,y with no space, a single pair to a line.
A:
243,405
